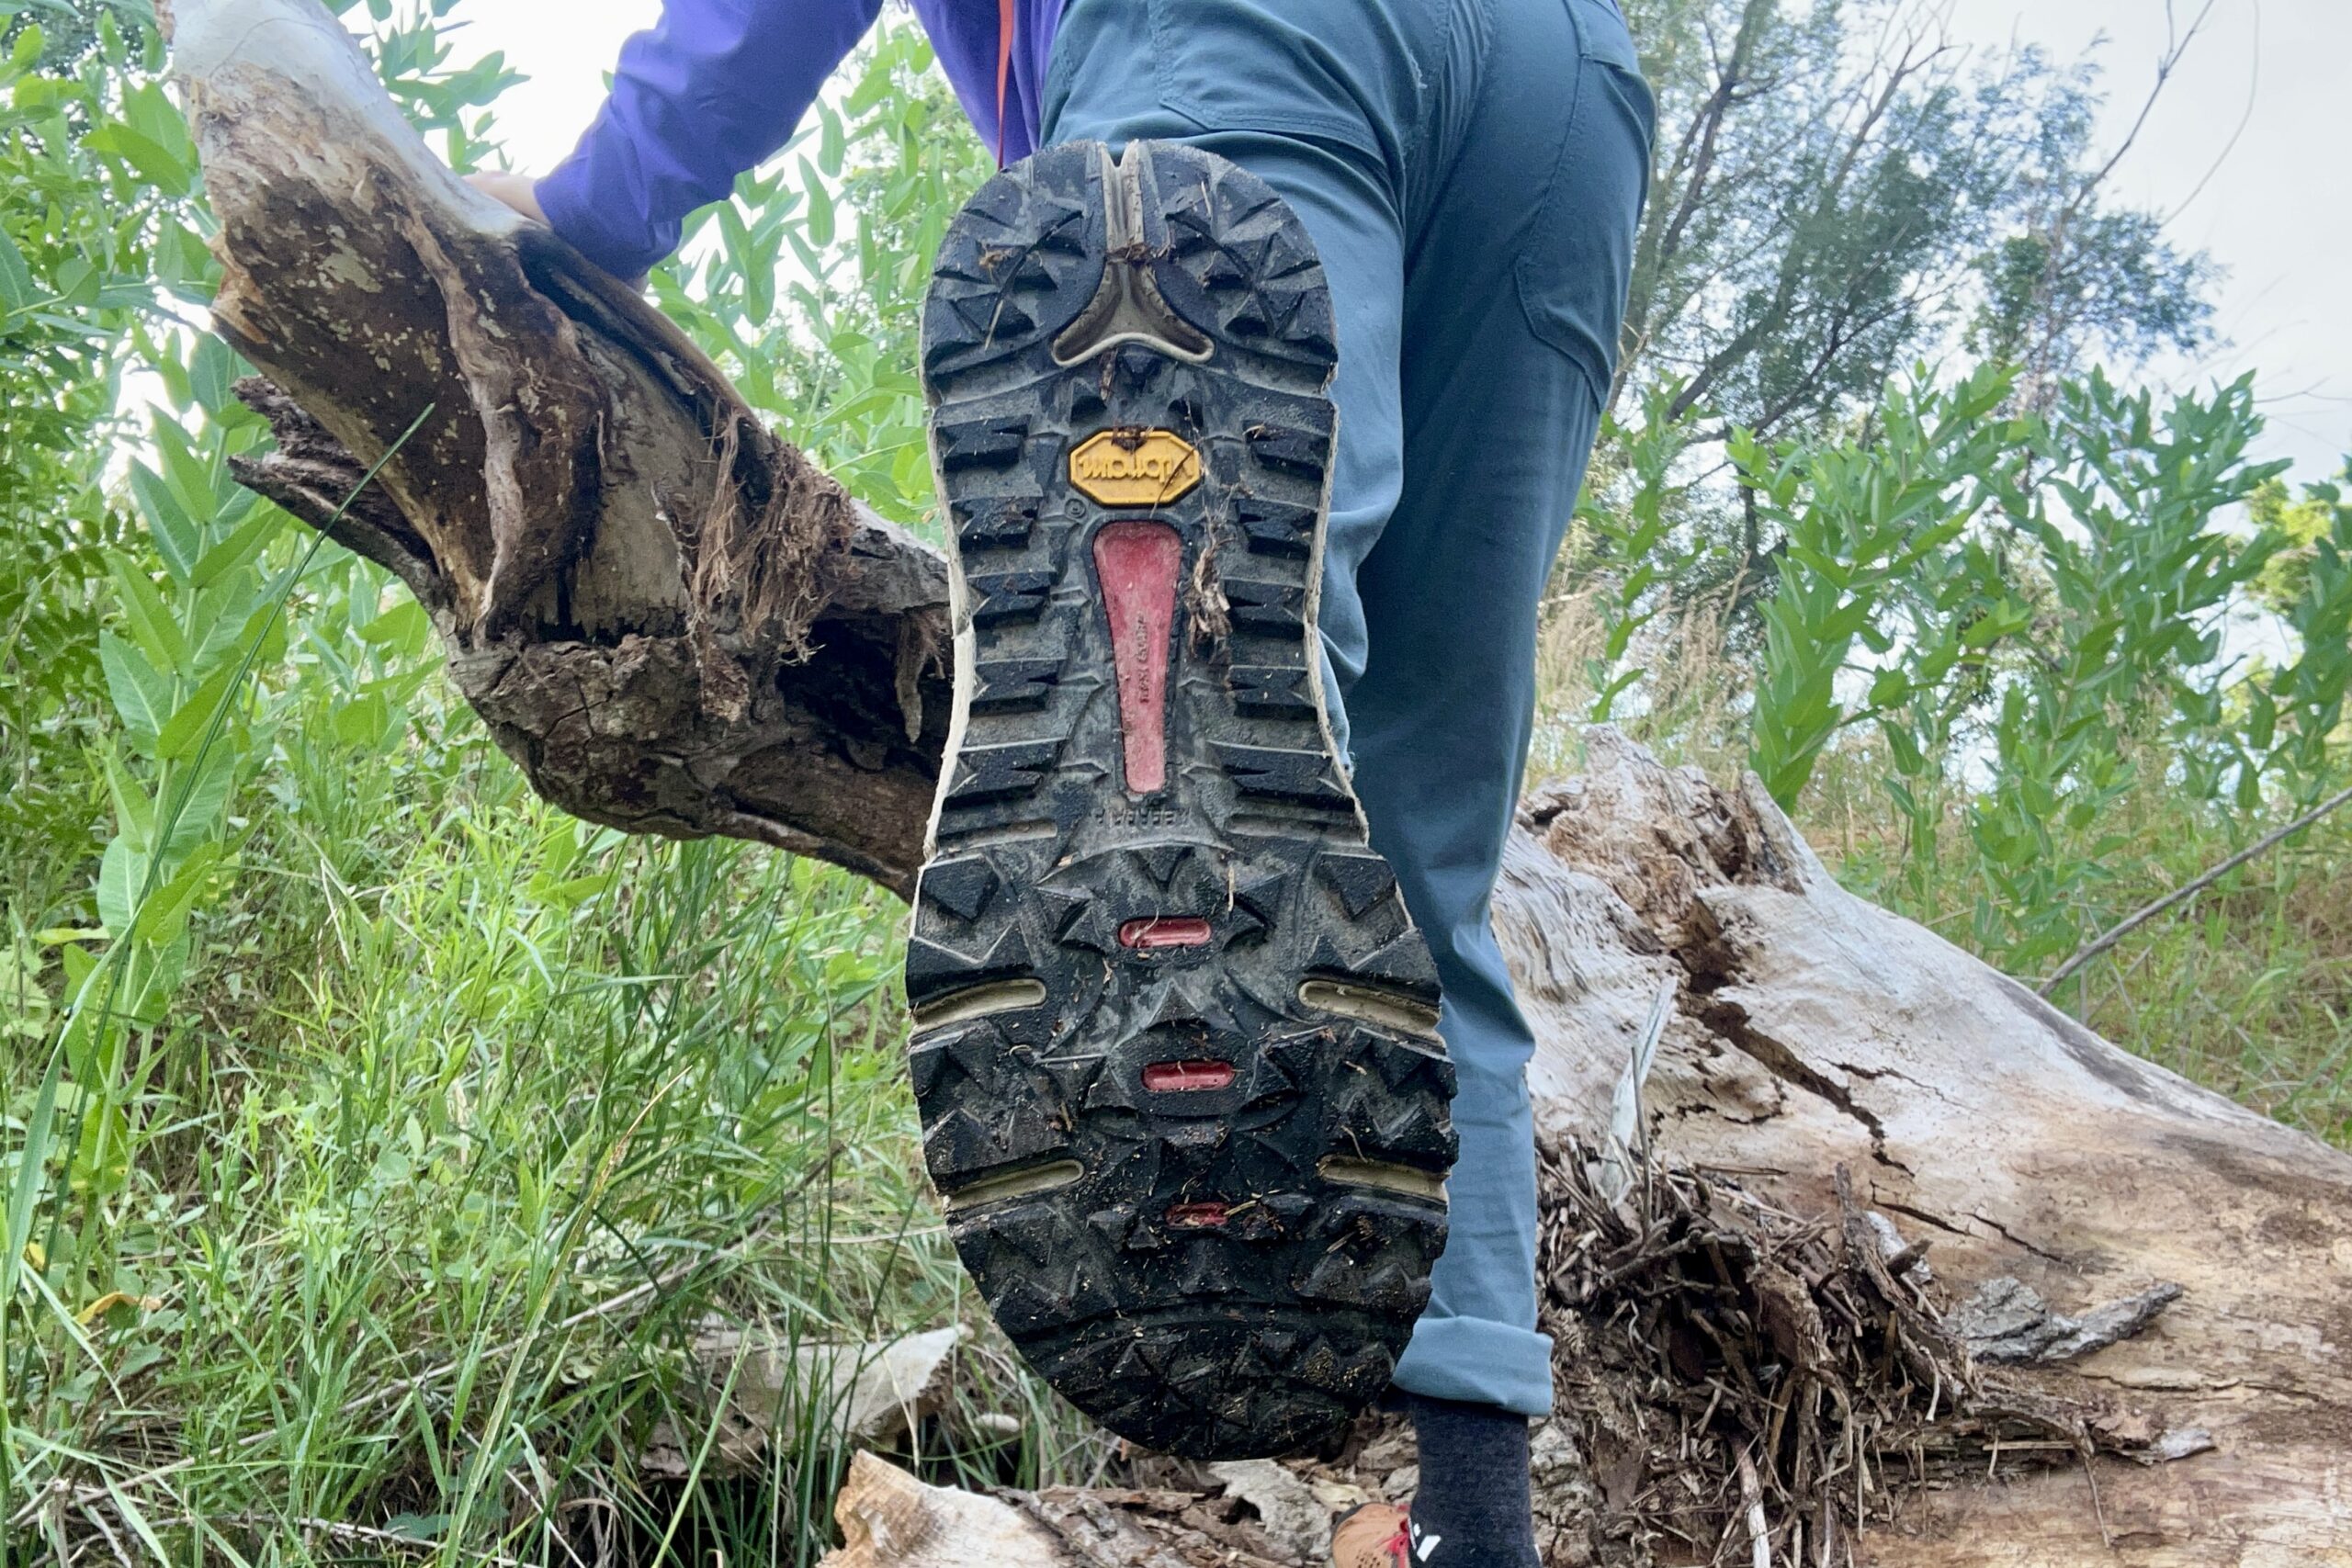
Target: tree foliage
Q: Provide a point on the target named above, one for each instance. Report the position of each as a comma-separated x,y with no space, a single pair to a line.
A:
82,125
1840,189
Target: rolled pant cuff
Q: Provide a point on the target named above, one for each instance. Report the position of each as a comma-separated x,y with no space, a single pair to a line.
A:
1479,1362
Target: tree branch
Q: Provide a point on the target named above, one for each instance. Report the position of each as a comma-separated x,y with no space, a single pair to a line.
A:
2189,889
667,617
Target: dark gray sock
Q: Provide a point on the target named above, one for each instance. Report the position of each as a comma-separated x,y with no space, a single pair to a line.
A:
1472,1508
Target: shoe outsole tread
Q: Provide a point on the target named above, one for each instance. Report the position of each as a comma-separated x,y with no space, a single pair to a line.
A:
1228,1267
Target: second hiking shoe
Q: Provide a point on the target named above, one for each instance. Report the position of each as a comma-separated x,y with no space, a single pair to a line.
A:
1175,1049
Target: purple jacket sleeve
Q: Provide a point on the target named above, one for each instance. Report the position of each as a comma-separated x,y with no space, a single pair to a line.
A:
709,91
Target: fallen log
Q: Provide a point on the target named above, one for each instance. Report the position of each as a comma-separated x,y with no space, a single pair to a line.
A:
1909,1264
1815,1035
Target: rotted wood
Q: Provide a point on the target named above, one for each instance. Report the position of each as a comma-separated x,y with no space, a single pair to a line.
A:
1917,1272
670,619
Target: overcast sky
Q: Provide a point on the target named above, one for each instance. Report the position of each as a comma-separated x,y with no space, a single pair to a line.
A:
2277,211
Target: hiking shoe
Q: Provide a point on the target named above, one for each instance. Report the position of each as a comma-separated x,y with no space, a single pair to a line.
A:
1374,1535
1175,1037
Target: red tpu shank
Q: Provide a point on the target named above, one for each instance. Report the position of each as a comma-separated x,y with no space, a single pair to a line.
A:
1162,1078
1148,931
1137,564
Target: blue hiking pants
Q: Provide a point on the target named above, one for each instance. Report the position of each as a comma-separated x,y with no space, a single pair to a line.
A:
1473,172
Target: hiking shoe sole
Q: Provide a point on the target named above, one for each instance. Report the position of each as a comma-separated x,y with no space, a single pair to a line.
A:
1175,1036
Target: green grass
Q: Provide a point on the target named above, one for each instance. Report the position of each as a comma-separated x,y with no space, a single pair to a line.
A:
456,1071
470,1115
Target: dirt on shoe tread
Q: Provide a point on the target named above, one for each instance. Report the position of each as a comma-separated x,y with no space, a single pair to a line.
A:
1175,1045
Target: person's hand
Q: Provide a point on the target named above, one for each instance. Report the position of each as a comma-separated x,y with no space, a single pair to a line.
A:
518,192
515,190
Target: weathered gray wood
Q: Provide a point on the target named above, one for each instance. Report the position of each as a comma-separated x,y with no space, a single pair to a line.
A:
1813,1030
675,626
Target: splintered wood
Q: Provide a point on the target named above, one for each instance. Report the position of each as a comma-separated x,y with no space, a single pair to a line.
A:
1743,1377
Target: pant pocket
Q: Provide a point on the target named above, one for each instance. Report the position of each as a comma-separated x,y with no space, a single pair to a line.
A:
1579,262
1341,71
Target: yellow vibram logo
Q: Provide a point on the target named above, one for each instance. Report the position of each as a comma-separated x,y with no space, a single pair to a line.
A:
1135,467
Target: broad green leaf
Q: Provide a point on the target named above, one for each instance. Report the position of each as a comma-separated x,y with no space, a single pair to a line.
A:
141,697
78,283
176,536
17,289
871,89
188,724
134,812
122,870
213,368
832,145
570,892
162,917
403,629
363,723
194,802
183,263
250,539
156,164
224,611
195,477
104,1153
734,239
151,622
264,631
148,109
820,205
176,390
1908,760
759,288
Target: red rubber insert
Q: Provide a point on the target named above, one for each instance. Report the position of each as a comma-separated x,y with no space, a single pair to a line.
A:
1165,930
1137,564
1182,1077
1197,1216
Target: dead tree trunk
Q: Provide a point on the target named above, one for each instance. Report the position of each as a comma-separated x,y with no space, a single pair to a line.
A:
1812,1031
674,625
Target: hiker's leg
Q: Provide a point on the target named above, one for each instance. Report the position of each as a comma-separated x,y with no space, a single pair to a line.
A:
1432,633
1316,98
1515,286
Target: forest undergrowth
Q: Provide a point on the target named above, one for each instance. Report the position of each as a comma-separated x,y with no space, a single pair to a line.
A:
377,1143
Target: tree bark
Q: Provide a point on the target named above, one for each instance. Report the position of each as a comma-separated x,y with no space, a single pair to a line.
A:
2128,1346
670,619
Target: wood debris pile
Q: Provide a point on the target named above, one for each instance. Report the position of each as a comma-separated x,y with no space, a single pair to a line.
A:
1738,1380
